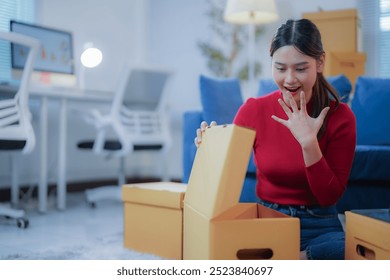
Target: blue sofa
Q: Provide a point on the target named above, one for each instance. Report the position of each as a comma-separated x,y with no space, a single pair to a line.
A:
369,181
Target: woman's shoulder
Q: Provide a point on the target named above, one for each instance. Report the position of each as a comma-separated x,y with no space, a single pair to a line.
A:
342,110
264,99
342,116
255,107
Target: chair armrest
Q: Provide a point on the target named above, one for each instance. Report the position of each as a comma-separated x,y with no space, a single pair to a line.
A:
107,126
191,121
94,117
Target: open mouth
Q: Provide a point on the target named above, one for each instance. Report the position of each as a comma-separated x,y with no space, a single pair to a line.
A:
293,91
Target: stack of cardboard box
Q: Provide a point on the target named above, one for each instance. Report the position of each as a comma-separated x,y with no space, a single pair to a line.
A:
342,42
214,224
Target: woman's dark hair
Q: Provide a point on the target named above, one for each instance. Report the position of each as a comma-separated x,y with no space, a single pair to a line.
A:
304,36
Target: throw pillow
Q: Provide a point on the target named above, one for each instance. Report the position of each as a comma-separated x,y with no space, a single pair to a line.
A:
266,86
370,105
342,85
221,98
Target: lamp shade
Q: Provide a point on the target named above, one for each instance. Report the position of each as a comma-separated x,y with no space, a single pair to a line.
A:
250,11
91,57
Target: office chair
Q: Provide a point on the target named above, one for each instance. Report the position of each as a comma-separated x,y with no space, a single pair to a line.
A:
137,121
16,132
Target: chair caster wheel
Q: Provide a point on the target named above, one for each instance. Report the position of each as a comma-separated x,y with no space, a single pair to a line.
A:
22,222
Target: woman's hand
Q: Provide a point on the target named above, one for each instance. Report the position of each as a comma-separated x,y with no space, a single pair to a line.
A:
302,126
199,132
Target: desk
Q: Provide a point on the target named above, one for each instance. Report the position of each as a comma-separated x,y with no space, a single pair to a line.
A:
63,95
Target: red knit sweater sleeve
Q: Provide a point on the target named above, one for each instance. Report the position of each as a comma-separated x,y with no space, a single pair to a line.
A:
328,177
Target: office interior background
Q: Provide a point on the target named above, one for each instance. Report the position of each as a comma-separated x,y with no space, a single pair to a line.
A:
130,33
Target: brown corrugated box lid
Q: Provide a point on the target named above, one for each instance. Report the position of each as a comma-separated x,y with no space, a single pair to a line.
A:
349,56
332,14
219,169
163,194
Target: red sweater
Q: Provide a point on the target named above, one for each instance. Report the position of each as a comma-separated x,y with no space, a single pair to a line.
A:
281,173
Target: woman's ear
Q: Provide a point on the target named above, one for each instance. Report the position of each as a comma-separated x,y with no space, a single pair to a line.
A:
321,63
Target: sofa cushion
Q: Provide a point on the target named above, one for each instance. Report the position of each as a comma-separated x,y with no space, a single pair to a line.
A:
371,162
365,195
220,98
340,82
342,85
370,105
191,122
266,86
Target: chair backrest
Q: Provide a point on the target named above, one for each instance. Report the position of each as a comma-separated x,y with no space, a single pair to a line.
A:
15,116
142,88
139,108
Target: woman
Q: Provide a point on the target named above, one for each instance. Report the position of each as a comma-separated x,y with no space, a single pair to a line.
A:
305,140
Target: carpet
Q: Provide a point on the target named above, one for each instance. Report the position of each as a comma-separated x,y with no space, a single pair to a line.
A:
77,233
109,247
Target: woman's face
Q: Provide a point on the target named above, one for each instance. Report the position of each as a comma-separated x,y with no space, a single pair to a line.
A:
294,72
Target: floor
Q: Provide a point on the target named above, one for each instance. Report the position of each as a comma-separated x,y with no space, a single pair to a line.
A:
79,232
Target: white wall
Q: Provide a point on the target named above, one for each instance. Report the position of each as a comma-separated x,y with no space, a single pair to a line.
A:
115,26
151,31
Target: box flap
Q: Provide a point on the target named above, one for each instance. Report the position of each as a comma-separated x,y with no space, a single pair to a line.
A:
349,56
163,194
379,214
219,169
331,15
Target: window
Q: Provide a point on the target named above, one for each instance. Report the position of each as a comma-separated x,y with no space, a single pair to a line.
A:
375,16
385,38
23,10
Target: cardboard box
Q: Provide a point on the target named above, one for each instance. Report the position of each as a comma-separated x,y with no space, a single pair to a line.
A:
216,225
340,29
153,218
351,64
367,237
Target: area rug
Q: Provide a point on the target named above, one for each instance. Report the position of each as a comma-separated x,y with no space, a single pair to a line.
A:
109,247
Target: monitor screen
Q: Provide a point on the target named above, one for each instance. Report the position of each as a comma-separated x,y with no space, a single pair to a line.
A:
55,54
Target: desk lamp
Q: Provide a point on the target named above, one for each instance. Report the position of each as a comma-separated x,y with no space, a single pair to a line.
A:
90,58
251,12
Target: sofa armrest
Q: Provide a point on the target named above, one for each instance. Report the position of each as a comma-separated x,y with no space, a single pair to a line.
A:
191,121
369,182
371,162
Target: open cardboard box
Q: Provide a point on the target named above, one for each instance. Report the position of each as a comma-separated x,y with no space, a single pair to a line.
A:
153,218
216,225
367,238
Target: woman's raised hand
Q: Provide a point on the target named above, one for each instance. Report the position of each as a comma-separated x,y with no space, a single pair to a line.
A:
302,126
199,132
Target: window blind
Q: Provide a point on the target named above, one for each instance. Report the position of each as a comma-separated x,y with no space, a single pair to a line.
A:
385,38
375,16
22,10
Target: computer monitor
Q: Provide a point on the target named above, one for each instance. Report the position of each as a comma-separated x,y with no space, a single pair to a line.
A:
54,64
